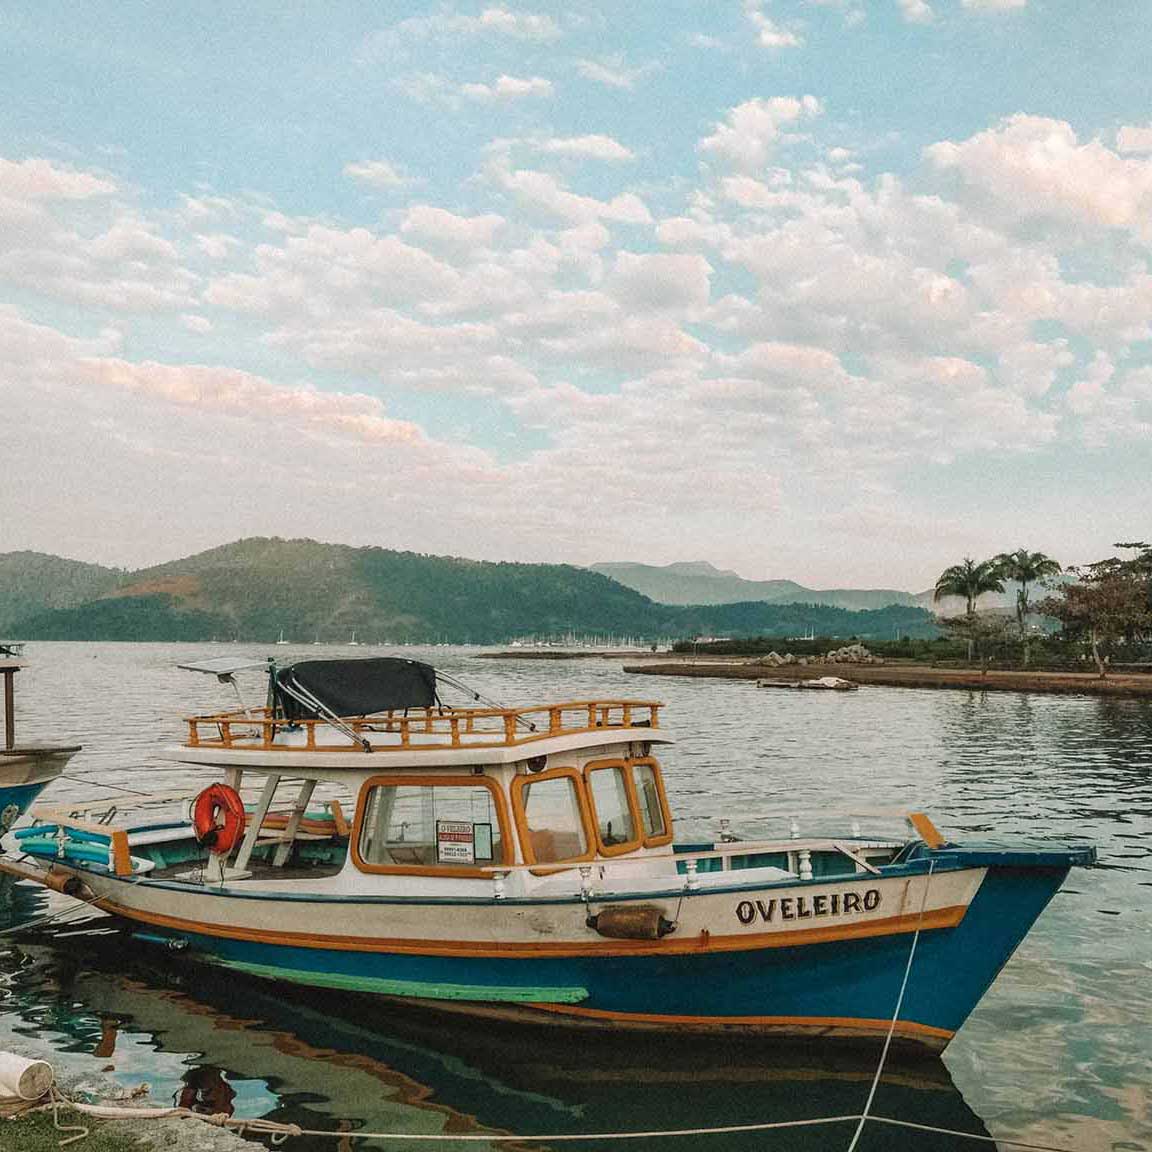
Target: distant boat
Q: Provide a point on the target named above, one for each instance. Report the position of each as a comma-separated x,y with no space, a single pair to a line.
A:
281,640
828,683
354,642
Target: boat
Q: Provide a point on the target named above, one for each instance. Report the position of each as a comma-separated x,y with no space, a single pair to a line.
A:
819,684
25,769
520,863
280,639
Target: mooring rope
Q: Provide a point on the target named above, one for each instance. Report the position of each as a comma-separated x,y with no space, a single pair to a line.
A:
278,1132
896,1012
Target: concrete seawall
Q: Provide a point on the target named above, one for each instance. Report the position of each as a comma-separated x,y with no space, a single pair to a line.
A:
909,676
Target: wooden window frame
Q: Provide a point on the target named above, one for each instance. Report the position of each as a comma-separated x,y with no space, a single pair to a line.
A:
637,839
658,776
444,870
519,816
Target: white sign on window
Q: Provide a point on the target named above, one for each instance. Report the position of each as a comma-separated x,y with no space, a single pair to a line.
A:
455,842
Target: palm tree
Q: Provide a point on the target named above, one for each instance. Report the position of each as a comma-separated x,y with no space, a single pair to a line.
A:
1025,568
970,580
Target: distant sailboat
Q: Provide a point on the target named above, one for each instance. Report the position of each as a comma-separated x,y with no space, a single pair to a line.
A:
281,640
354,642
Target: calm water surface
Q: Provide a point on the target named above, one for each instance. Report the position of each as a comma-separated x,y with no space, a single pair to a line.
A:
1059,1052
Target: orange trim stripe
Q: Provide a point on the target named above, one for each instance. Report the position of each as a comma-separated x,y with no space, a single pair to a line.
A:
669,946
841,1022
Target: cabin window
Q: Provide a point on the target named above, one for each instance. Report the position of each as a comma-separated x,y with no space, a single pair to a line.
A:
648,797
612,808
430,824
551,817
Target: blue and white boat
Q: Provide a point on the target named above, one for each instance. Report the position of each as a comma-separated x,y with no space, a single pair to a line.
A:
25,769
520,862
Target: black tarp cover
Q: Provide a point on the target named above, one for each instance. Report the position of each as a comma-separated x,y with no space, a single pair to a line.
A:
357,687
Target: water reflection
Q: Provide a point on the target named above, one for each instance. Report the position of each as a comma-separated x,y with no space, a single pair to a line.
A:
343,1062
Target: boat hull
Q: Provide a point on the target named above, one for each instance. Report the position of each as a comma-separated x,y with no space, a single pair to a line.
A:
24,774
843,981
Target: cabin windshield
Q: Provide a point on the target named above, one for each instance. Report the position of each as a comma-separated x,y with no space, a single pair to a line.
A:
552,816
430,825
611,806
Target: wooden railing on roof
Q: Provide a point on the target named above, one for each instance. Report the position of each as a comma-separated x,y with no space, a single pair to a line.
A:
424,728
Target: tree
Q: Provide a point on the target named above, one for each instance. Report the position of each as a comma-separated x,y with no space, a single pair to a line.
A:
970,580
1025,568
1109,605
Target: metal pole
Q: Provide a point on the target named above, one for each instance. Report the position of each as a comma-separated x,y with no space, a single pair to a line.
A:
9,708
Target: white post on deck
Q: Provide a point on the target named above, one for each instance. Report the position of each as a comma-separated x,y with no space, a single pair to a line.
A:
257,820
303,797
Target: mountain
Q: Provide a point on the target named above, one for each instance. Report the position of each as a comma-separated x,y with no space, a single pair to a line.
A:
698,582
254,589
34,581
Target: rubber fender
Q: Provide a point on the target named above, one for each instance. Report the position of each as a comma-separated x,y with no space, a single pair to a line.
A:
631,922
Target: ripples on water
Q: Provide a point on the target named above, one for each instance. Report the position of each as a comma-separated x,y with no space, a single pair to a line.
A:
1059,1051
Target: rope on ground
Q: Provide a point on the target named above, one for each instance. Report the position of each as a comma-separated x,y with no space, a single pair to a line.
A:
278,1132
895,1014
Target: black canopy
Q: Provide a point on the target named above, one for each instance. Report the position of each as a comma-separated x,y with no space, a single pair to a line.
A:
354,687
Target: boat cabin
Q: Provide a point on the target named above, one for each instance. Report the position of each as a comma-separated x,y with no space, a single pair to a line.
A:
358,778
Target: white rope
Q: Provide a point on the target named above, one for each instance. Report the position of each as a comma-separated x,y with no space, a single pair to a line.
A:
896,1013
280,1132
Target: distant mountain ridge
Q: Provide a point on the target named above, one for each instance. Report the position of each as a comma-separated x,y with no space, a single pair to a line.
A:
254,589
698,582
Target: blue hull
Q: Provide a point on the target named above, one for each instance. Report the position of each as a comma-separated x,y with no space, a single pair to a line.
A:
15,800
846,987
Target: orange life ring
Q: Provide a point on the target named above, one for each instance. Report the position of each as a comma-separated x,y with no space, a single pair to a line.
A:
218,818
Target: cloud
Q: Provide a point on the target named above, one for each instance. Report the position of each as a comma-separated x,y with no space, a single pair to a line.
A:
506,88
1134,139
461,235
494,20
769,34
917,11
746,138
613,72
39,179
545,193
1031,166
993,5
591,147
661,282
376,173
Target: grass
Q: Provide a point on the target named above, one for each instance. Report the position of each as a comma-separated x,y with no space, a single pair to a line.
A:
33,1132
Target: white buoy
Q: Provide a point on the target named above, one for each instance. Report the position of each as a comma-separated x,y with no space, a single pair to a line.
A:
24,1079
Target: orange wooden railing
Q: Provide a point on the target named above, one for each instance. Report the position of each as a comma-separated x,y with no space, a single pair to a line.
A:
436,727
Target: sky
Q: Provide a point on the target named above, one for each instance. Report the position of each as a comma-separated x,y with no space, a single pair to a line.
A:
832,290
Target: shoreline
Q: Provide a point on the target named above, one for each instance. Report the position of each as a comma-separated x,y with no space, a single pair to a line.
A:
909,676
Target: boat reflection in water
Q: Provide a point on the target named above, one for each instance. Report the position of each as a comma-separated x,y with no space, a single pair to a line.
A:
346,1062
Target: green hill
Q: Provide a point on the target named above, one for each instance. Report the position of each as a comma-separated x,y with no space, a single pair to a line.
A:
31,582
255,589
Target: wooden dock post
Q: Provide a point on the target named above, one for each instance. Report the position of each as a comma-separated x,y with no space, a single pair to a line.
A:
8,671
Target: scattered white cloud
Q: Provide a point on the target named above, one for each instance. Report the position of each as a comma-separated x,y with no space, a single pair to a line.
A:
39,179
769,34
592,147
746,138
376,173
1031,166
993,5
1133,138
917,11
494,20
614,72
507,88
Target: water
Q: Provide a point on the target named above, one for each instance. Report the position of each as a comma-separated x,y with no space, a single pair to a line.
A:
1058,1052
